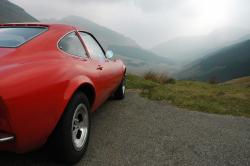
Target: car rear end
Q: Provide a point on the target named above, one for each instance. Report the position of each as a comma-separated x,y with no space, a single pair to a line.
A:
12,37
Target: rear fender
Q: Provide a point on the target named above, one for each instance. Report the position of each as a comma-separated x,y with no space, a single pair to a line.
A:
73,86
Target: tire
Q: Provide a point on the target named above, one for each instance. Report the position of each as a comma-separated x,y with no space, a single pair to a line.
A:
120,92
70,139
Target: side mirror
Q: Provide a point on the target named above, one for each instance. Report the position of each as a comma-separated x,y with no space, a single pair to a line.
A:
109,54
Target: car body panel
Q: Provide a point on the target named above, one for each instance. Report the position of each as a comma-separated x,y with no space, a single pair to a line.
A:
37,82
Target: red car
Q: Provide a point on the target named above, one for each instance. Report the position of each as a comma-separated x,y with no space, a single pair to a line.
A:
52,77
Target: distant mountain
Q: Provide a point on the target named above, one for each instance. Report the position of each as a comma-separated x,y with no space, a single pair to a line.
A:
226,64
140,60
105,36
137,59
10,13
184,50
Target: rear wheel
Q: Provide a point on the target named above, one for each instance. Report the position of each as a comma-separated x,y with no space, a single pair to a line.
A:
120,92
70,139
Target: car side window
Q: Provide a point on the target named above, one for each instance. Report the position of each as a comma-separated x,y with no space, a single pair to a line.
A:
71,44
93,47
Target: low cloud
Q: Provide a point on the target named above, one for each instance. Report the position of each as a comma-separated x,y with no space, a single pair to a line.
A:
148,22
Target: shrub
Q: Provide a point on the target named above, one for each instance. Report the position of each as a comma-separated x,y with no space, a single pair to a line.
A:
159,78
213,80
150,76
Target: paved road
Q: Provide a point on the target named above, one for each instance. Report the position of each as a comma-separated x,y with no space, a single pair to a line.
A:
137,131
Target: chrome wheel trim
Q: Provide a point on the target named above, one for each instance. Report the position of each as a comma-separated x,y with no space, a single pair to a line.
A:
123,89
80,127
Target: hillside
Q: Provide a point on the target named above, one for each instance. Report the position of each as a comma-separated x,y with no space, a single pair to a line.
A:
226,64
10,12
243,81
140,60
195,95
137,59
105,36
184,50
181,50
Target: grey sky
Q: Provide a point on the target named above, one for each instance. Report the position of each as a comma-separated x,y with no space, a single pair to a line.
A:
149,22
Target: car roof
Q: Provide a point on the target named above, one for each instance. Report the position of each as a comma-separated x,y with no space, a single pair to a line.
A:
39,24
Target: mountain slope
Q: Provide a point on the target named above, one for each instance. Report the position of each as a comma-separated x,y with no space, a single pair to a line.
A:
10,12
181,50
242,81
184,50
226,64
140,60
137,59
104,35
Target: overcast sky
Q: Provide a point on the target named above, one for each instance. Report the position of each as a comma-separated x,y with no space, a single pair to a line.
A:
149,22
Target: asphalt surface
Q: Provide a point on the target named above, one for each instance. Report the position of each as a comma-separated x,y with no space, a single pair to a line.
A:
137,131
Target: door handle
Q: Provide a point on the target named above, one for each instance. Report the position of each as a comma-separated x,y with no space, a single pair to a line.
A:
99,67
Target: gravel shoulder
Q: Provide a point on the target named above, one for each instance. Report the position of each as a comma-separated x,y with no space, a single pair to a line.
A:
137,131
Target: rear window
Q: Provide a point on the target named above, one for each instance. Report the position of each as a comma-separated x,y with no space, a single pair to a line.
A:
16,36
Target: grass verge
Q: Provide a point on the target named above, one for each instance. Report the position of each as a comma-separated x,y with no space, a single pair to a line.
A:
194,95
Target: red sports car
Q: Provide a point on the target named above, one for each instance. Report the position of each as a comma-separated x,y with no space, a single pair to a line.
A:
51,78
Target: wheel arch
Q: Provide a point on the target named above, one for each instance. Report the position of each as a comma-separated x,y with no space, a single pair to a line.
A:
89,91
83,86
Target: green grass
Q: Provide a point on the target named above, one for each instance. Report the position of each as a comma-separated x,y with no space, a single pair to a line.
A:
199,96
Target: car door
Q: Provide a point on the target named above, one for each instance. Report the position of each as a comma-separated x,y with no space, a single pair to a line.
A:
72,46
103,65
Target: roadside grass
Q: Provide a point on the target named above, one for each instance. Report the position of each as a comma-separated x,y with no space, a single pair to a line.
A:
194,95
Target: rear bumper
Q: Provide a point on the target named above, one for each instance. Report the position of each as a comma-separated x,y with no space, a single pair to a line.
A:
7,142
6,138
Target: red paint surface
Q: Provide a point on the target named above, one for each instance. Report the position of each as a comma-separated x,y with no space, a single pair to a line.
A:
37,81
